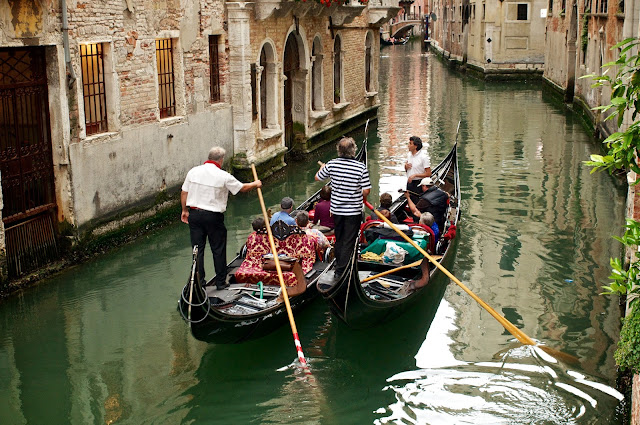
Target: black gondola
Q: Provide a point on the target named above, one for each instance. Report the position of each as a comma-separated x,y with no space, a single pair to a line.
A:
242,311
393,41
360,304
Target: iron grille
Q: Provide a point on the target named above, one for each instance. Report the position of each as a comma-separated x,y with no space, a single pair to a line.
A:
164,58
94,93
30,244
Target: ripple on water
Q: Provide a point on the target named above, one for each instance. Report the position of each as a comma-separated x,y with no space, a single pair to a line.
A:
496,393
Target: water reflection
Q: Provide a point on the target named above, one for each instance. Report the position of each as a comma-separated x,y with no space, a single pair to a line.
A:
523,385
103,342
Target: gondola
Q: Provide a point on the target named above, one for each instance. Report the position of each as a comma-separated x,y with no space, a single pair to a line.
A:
246,311
363,304
391,42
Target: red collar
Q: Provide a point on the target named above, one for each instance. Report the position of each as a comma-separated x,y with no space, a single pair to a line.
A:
214,163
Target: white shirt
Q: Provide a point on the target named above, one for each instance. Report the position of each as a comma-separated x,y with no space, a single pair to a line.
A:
419,162
208,187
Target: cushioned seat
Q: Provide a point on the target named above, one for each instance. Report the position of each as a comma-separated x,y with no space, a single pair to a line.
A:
297,245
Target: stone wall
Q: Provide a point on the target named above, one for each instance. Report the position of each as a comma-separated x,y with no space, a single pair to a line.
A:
141,155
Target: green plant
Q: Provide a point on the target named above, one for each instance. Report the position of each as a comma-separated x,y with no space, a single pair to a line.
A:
621,146
626,282
584,34
628,353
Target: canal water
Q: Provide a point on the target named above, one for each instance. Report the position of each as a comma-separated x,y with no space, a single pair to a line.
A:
103,342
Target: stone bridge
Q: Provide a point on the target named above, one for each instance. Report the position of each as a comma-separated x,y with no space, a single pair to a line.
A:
400,28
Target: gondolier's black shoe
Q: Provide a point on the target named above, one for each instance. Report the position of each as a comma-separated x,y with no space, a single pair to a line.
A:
220,286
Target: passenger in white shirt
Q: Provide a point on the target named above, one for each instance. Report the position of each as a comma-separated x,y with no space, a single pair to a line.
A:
204,200
417,166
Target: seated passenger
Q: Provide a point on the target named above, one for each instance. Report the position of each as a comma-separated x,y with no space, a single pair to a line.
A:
323,220
382,231
432,200
297,244
286,205
427,219
385,204
302,219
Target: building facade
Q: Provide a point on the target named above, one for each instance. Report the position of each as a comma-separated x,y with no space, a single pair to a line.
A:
106,105
503,37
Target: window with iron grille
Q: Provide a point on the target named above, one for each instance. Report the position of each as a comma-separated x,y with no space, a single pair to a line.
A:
166,81
603,7
523,12
214,70
93,88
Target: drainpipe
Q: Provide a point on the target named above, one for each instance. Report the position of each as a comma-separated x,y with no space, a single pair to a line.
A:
65,41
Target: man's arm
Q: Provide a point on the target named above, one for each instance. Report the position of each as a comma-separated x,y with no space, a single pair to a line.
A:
414,210
318,179
426,173
365,193
246,187
184,216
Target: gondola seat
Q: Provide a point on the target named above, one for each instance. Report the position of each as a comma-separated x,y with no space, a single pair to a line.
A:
298,245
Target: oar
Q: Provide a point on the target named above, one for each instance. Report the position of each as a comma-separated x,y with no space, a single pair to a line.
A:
292,322
520,336
417,263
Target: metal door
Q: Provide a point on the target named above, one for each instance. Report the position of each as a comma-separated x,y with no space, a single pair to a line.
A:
26,164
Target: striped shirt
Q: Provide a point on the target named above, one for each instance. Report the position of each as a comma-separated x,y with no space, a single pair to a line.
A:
349,178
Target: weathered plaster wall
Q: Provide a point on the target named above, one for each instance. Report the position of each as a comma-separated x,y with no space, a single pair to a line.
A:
114,174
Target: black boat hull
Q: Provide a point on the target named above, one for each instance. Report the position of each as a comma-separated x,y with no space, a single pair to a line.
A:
352,304
211,315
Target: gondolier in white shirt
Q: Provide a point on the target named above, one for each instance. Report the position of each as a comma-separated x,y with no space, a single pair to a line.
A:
417,167
350,186
204,200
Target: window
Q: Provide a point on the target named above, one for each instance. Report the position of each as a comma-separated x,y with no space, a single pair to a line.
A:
550,6
317,103
337,71
166,81
517,11
368,63
602,6
267,80
587,6
523,12
263,89
214,68
93,88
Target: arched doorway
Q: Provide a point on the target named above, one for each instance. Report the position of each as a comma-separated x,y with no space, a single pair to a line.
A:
291,67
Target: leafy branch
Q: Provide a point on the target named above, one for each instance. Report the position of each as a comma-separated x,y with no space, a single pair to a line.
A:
621,147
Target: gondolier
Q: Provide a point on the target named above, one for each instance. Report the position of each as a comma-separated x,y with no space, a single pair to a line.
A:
350,185
417,166
204,200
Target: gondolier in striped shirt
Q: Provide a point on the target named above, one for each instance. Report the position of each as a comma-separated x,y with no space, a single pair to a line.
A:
350,186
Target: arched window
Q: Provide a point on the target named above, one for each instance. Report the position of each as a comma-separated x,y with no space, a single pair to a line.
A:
337,71
268,83
263,89
317,103
368,63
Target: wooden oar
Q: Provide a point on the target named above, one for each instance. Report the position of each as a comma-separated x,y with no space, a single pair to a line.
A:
417,263
285,297
520,336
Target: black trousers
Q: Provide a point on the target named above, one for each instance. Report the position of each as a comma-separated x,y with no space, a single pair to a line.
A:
206,224
413,186
346,231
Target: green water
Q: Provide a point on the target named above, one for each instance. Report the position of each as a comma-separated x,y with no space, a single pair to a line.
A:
103,343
